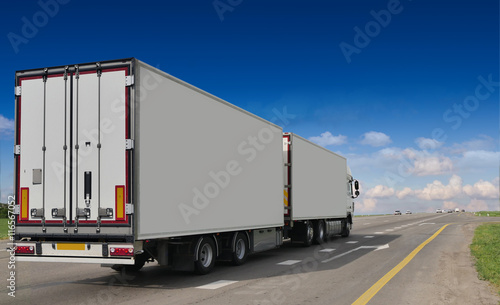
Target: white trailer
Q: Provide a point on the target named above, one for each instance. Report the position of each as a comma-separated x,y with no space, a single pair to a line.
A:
119,163
319,189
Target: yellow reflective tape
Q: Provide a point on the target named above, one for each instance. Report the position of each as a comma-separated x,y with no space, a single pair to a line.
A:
24,203
285,199
120,202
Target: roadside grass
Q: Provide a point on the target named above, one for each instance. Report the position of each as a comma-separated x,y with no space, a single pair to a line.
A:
3,228
488,213
485,248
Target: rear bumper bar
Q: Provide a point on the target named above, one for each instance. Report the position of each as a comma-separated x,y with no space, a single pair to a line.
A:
77,252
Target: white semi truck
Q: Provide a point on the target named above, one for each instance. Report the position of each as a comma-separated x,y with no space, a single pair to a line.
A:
119,163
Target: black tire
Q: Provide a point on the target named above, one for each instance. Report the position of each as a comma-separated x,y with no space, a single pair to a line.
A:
206,256
240,253
308,234
319,232
346,228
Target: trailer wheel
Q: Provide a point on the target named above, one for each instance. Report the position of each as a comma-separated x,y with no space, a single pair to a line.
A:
206,256
346,228
319,233
308,234
240,253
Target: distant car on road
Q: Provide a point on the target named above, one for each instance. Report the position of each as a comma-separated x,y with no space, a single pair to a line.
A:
457,210
397,212
450,211
439,211
408,212
463,210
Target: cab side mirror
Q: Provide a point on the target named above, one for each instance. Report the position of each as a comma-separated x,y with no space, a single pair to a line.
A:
356,189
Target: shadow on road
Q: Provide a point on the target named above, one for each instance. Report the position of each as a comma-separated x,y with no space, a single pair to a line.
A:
328,256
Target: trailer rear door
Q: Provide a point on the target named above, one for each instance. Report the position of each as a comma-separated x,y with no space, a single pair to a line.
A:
72,163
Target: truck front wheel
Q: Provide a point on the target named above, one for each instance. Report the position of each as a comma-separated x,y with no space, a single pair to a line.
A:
206,256
346,228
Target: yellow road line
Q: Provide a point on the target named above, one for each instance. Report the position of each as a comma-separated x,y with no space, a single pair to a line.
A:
370,293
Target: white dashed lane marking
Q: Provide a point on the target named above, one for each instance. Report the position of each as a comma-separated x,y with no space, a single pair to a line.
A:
352,242
217,284
327,250
289,262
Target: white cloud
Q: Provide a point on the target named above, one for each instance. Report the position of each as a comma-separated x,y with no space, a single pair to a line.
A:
432,166
438,191
476,205
425,164
479,159
482,142
404,192
380,191
326,138
366,205
375,139
482,189
6,125
392,153
426,143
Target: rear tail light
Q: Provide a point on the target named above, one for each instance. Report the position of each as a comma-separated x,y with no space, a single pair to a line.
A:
115,251
25,250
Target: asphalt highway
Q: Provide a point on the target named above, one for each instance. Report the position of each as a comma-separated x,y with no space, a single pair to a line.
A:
404,259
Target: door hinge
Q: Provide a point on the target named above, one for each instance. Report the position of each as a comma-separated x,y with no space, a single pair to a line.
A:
129,144
17,149
129,208
17,90
17,209
129,80
288,164
287,186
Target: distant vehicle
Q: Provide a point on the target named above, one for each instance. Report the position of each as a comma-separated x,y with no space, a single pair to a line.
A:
397,212
463,210
439,211
457,210
408,212
450,211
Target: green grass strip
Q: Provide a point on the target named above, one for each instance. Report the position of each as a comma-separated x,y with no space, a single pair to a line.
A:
3,228
488,213
485,248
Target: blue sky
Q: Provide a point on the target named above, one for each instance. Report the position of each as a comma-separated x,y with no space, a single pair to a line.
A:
406,90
